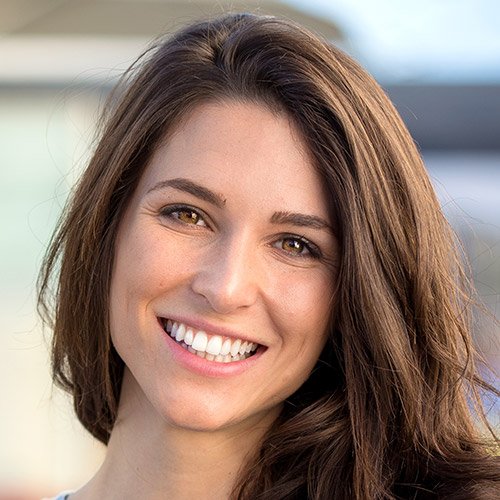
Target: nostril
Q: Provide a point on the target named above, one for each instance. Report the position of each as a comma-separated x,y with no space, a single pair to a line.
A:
228,281
226,297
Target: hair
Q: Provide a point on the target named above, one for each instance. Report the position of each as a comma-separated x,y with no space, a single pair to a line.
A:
386,413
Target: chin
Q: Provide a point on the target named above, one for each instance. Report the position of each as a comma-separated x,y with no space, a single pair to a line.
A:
210,423
199,418
209,414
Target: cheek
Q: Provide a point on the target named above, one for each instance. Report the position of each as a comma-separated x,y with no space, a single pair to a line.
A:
303,319
134,279
304,333
305,302
145,261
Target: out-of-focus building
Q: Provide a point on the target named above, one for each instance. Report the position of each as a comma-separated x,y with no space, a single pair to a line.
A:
457,128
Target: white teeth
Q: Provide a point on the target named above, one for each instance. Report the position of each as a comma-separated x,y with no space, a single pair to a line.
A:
214,345
212,348
226,347
174,330
181,331
188,338
235,348
243,348
200,342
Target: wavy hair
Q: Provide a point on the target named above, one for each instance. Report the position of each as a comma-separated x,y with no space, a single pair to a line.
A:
386,412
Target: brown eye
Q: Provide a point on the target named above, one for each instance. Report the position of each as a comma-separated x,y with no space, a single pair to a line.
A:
298,246
183,215
188,216
293,245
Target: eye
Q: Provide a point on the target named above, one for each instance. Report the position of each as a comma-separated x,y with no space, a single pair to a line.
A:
298,246
184,215
292,245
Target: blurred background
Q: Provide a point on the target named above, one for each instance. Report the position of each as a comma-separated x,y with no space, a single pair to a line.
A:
438,61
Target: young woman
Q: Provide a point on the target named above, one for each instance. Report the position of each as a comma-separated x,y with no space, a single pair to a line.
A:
258,296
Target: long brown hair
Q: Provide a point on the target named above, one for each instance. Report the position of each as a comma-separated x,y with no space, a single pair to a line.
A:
386,412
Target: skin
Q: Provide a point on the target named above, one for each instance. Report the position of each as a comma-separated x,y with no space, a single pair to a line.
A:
230,262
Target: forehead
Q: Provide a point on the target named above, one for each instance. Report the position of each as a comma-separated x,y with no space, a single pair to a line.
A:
238,147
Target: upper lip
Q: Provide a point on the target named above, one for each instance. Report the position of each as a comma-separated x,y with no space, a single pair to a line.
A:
209,328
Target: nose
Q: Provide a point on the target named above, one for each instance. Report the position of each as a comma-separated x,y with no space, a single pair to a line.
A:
227,277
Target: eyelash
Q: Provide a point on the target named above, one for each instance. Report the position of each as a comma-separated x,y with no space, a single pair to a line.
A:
313,251
171,210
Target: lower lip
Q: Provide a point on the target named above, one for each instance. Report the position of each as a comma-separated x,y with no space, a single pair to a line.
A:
207,368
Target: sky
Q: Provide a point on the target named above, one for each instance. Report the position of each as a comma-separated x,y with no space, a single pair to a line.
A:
426,41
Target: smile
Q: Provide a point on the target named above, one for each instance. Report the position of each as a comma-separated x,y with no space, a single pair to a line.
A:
211,347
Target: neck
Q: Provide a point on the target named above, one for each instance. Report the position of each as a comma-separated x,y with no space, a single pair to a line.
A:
151,458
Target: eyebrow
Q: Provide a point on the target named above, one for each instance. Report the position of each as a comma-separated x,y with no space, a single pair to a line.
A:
281,217
301,220
192,188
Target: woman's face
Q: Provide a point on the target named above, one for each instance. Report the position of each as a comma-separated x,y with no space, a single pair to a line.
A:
226,244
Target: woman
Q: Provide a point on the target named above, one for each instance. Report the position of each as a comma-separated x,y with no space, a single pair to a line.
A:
258,295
